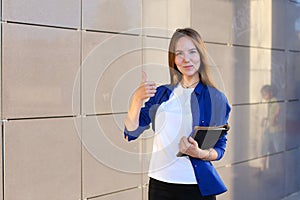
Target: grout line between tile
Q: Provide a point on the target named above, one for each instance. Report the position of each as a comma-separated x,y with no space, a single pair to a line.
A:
39,118
259,103
39,25
81,102
115,192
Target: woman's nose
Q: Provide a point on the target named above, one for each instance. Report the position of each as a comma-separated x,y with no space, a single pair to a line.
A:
186,57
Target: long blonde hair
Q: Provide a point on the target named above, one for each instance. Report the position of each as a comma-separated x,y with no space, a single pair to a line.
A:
175,75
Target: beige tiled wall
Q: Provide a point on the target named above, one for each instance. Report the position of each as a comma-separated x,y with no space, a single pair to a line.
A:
109,162
40,65
42,159
112,16
69,69
110,66
66,13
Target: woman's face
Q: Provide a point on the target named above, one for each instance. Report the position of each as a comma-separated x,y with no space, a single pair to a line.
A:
187,58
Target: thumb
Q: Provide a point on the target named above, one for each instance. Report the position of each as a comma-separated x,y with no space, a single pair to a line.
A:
144,76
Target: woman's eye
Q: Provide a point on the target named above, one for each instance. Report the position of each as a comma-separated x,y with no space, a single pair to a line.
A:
178,54
193,52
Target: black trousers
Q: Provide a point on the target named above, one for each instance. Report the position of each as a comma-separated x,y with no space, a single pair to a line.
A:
168,191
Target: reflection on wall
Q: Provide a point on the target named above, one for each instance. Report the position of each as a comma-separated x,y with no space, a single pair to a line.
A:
260,64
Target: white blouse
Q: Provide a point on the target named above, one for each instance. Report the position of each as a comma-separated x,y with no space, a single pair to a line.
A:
173,120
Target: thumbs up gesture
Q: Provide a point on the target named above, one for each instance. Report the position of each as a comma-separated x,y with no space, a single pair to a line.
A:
146,89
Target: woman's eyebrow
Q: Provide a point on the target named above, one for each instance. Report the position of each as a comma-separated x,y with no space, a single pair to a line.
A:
179,50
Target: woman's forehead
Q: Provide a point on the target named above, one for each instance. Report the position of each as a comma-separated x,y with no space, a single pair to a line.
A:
184,43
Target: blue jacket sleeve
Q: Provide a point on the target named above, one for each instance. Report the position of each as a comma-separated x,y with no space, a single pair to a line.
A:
144,121
148,112
220,114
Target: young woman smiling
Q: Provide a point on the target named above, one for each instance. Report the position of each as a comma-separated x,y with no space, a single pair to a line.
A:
173,110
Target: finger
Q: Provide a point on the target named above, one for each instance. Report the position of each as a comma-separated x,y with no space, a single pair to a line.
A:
192,141
182,140
184,143
151,89
150,84
148,93
144,77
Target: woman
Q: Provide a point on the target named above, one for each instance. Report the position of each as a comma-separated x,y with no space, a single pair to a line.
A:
174,109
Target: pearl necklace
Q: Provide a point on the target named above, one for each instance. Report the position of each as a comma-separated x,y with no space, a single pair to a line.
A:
188,86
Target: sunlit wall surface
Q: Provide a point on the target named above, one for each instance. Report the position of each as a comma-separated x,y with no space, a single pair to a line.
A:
69,68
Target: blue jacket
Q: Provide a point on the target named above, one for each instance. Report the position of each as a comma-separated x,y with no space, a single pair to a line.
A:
209,108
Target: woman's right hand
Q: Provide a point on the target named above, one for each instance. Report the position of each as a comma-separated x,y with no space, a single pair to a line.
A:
146,89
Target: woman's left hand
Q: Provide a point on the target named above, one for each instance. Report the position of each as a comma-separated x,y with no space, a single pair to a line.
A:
189,146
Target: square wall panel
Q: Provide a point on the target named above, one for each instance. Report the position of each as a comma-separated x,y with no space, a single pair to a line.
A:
212,19
155,17
155,60
115,16
222,60
110,163
247,178
42,159
242,148
265,67
258,23
250,137
50,12
40,67
254,68
181,20
241,72
111,71
161,18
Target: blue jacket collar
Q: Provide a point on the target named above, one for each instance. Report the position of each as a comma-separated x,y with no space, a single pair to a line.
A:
199,88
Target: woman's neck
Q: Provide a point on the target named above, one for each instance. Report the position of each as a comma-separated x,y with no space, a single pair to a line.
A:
188,82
